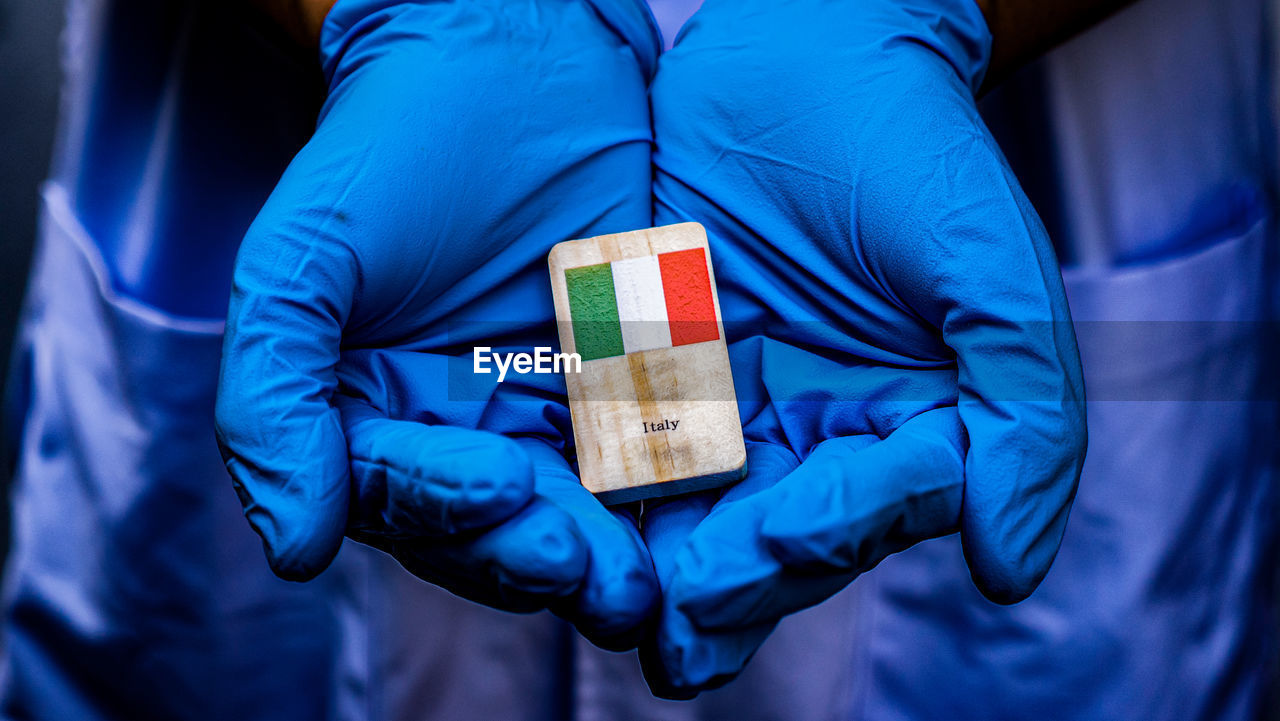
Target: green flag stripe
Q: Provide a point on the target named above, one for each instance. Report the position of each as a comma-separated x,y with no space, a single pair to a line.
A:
593,308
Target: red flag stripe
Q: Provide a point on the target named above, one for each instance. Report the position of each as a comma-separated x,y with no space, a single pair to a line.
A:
691,311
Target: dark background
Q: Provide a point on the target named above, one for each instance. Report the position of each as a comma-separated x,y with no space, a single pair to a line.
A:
29,51
29,31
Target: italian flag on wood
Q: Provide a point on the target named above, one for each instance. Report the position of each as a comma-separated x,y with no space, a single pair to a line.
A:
636,304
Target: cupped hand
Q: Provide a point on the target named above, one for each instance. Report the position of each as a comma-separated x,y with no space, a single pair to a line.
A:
458,142
903,352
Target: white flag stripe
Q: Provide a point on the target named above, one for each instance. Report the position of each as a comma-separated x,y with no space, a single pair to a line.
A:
642,308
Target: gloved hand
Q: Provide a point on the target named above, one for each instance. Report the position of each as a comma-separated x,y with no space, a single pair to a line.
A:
903,353
458,142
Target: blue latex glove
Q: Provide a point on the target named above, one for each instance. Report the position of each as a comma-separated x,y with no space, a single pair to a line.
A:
902,348
458,142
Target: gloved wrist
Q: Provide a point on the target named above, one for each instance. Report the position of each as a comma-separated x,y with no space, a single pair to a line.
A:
957,30
346,21
633,22
630,20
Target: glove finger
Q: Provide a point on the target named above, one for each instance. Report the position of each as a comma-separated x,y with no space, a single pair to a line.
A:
846,508
529,562
684,661
984,272
667,526
410,479
619,591
281,440
680,660
840,513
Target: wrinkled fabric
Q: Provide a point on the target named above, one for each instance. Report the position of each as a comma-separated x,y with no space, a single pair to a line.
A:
127,573
1160,604
132,591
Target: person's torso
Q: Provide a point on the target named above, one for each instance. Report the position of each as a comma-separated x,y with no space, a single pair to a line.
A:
1147,146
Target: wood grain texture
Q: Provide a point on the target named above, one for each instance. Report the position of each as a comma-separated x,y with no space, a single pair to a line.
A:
653,422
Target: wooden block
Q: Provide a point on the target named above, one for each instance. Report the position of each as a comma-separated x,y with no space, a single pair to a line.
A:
654,410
